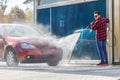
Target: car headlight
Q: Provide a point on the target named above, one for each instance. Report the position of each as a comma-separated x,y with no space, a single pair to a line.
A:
27,46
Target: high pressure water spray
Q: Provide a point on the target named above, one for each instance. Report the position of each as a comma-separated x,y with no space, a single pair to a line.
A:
88,27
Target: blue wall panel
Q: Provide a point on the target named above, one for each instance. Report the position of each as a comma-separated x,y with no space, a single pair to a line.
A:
68,18
43,17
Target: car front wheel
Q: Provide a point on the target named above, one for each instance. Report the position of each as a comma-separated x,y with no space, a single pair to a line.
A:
53,61
10,58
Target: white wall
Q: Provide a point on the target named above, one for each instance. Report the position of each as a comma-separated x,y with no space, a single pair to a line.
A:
61,3
51,1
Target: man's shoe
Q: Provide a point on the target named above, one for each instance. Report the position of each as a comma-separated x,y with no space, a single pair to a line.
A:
106,64
100,64
103,64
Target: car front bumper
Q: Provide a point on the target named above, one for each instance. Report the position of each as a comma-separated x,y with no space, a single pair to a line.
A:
34,56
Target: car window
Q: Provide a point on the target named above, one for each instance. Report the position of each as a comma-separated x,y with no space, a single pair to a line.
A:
22,31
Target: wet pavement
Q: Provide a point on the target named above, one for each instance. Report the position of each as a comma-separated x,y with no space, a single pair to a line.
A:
60,72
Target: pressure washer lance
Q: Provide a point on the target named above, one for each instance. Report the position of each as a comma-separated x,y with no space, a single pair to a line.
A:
88,27
81,30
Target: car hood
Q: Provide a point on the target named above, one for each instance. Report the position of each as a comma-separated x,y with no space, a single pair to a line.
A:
38,42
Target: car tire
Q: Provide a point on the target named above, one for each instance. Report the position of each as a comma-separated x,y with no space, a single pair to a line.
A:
10,58
53,61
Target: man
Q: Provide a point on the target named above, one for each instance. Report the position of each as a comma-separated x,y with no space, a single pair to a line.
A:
101,28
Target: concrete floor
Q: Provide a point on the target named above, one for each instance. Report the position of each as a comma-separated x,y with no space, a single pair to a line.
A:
60,72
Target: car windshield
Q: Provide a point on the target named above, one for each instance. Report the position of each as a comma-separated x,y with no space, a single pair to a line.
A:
22,31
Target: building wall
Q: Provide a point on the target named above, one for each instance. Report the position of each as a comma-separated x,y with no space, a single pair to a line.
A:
113,12
63,20
117,30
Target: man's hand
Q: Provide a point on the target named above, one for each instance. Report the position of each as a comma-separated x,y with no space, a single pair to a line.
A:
91,23
94,25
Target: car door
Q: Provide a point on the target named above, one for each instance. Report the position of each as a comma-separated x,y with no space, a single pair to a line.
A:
2,44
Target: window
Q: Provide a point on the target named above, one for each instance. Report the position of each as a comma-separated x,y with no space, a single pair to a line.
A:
22,31
66,19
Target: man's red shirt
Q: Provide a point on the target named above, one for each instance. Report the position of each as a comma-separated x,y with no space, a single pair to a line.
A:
100,26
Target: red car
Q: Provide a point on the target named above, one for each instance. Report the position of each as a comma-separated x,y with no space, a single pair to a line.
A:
21,43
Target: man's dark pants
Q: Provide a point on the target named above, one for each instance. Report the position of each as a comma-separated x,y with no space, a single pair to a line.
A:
102,50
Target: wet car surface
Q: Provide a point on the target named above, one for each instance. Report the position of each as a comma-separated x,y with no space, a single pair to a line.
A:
21,43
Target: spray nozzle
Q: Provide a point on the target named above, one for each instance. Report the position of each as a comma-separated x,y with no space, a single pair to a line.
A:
78,31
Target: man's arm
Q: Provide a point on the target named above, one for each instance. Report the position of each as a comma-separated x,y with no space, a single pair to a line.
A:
95,25
104,21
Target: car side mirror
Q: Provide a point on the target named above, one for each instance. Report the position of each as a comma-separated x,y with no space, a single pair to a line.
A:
1,37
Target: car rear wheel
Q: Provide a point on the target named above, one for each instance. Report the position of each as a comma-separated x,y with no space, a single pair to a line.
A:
10,58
